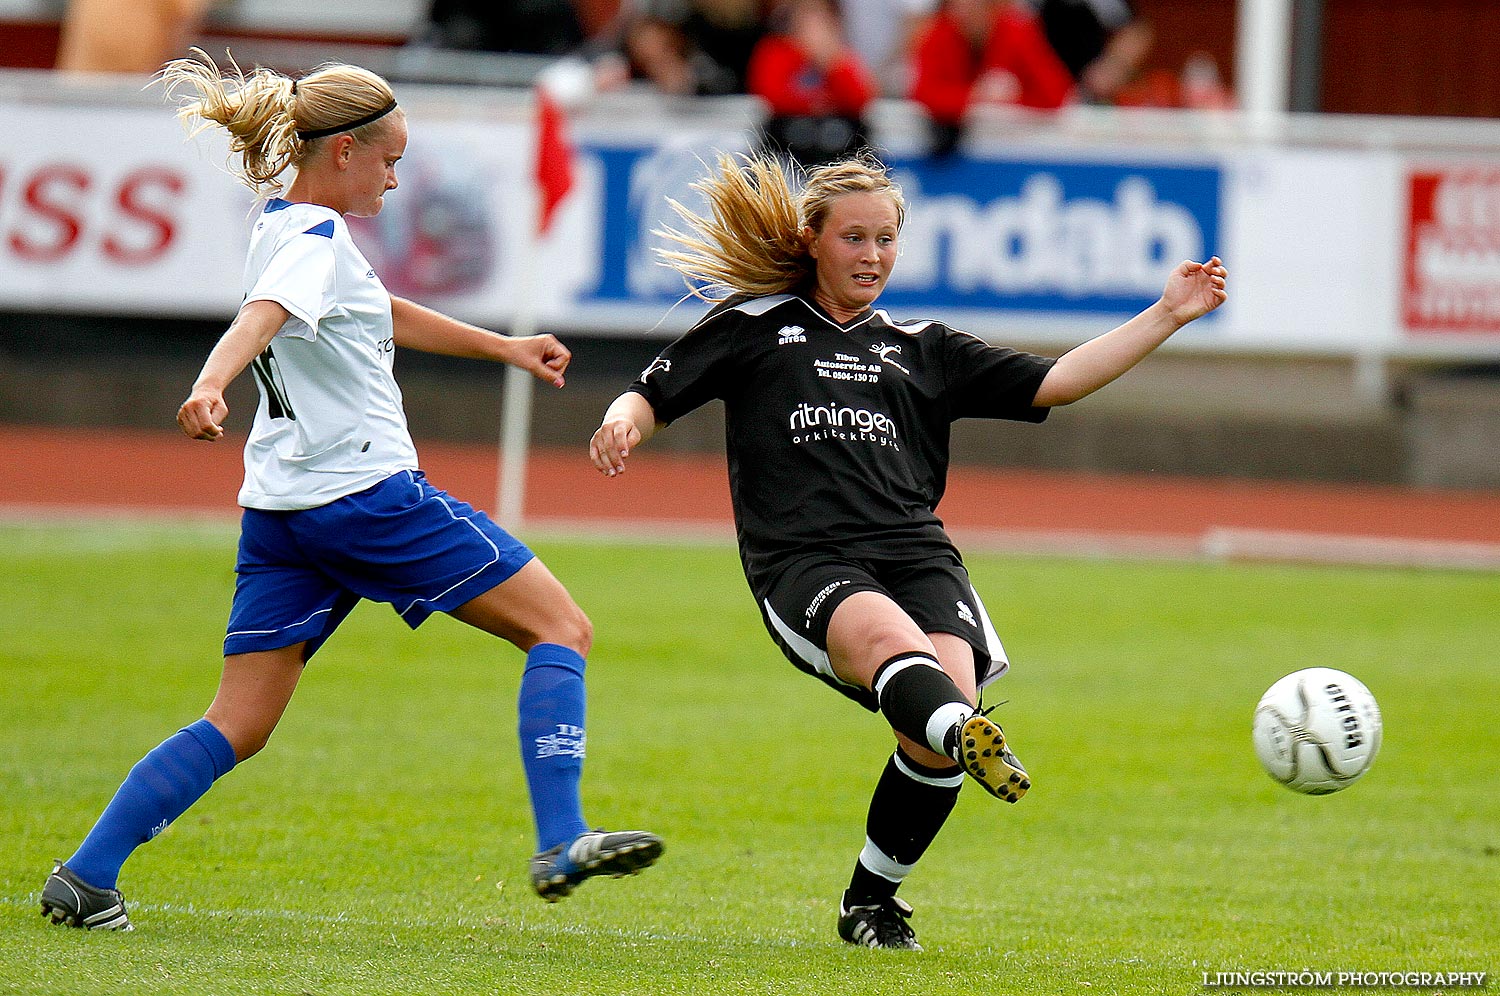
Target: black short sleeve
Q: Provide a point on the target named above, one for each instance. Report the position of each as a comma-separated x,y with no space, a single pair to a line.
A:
987,381
692,371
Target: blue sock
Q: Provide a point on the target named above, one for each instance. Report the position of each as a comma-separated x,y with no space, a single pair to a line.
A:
160,788
552,741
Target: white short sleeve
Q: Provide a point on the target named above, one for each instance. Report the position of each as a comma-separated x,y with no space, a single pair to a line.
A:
300,276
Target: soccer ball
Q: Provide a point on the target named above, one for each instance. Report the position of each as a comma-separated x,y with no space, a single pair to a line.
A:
1317,730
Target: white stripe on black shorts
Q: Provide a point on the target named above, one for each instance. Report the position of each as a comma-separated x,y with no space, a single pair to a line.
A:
935,591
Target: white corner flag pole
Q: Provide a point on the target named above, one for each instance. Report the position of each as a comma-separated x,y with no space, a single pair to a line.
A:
515,416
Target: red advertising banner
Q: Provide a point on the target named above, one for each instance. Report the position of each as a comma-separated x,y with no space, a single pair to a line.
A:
1452,264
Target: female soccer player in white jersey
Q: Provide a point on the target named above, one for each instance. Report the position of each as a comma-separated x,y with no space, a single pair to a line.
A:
837,421
336,508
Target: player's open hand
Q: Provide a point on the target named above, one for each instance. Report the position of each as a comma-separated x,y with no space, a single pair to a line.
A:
202,415
1195,289
543,356
612,443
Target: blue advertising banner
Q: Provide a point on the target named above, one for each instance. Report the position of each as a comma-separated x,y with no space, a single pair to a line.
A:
1024,234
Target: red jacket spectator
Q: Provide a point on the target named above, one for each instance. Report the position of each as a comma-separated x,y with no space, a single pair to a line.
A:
799,73
983,51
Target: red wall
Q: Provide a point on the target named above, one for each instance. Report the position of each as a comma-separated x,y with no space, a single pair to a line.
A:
1419,57
1427,57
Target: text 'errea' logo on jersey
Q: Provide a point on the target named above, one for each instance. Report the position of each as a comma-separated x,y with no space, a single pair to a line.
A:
791,333
665,366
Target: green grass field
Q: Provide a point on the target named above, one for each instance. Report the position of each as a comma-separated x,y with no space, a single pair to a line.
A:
379,845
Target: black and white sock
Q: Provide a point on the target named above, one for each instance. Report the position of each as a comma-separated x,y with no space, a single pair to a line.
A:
919,700
910,805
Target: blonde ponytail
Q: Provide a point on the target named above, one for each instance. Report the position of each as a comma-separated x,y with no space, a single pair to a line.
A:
256,111
752,243
271,119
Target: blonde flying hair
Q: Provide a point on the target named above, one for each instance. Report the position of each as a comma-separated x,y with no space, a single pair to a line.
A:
274,121
752,241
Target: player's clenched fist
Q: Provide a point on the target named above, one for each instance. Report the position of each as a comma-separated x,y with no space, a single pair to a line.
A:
202,416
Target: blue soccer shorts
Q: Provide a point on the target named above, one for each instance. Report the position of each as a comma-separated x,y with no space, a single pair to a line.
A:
402,541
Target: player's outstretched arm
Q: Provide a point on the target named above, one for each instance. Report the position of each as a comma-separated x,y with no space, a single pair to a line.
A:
202,415
629,421
1192,291
416,327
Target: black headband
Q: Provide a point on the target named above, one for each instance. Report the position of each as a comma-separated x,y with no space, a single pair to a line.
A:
308,136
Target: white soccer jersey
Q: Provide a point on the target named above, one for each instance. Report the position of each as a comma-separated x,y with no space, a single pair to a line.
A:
330,421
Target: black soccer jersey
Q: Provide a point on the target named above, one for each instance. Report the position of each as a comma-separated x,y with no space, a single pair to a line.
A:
837,435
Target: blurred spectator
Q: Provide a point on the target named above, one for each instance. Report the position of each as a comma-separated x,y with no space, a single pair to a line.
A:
660,52
126,36
883,32
1102,42
1199,86
976,52
1203,86
692,47
541,27
814,83
598,17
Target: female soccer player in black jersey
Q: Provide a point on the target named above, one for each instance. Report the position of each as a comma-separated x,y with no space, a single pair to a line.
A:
837,422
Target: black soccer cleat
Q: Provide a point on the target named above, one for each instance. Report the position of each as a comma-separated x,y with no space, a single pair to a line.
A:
981,749
557,871
72,902
878,925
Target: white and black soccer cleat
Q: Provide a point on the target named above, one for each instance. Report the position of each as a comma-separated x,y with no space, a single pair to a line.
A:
72,902
557,871
878,925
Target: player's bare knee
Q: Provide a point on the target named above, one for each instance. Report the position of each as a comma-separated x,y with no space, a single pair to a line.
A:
245,740
575,630
883,641
568,627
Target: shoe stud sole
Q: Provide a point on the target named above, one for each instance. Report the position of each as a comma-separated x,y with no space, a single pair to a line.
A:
984,748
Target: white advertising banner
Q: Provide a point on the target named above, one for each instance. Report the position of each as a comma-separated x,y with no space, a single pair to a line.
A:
1312,250
112,211
458,234
1343,251
116,211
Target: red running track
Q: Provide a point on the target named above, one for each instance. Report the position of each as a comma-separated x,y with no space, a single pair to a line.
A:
56,471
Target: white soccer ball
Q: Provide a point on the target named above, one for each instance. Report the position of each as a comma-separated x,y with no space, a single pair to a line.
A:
1317,730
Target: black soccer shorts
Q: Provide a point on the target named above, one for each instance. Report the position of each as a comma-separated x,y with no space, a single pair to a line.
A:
934,590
